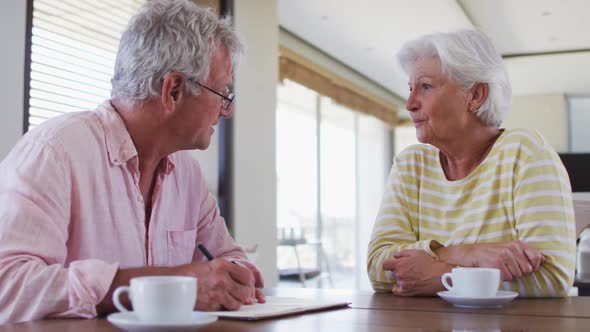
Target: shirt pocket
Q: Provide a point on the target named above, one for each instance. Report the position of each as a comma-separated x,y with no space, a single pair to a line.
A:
181,246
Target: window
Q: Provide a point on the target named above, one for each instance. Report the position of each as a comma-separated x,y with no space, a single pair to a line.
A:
332,164
405,135
297,169
73,49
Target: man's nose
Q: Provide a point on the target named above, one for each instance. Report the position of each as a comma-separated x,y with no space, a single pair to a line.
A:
227,113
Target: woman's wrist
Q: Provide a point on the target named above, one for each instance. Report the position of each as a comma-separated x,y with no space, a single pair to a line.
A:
458,255
443,254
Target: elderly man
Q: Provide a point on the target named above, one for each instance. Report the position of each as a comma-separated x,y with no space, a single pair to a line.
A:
92,199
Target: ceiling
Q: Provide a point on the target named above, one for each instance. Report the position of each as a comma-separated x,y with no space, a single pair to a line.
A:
545,43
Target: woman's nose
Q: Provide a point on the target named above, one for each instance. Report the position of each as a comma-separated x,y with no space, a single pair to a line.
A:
412,103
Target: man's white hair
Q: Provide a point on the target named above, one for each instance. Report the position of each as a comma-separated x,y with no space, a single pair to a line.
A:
169,36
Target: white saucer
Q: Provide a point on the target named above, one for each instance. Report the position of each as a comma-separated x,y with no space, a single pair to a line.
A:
129,322
501,298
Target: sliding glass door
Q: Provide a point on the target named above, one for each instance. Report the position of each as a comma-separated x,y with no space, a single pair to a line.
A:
332,164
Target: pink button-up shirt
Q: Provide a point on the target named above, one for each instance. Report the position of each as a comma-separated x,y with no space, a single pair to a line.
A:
71,214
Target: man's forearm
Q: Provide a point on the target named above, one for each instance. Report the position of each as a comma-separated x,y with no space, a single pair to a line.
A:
122,278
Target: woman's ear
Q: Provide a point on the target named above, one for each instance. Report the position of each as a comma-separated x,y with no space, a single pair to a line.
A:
479,94
172,90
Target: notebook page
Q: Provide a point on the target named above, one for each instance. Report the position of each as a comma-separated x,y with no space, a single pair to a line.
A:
277,306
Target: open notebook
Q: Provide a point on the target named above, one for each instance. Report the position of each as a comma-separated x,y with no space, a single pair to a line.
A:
277,307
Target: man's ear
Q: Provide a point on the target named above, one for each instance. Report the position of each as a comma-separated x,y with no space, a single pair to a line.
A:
172,90
479,94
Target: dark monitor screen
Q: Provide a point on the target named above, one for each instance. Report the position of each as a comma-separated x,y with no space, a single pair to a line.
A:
578,168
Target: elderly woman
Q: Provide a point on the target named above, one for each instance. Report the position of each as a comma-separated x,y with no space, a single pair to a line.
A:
475,195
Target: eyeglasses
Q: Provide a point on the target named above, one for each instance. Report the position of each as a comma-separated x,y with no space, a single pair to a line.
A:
225,100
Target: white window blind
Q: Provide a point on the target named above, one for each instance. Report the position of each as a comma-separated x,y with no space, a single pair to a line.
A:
73,49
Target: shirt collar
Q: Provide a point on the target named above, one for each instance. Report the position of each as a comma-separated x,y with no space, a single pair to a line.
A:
120,147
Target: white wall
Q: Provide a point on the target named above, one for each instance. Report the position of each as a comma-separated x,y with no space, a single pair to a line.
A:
254,170
544,113
313,54
579,119
12,62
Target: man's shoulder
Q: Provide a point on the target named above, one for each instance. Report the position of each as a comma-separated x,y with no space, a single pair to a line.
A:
71,128
74,136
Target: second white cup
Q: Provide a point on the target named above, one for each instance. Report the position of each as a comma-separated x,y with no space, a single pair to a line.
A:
160,298
472,281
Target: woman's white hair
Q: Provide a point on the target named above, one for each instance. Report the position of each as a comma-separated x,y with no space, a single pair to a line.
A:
169,36
468,57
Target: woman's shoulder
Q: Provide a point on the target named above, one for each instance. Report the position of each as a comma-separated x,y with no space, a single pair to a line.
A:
524,135
530,141
417,154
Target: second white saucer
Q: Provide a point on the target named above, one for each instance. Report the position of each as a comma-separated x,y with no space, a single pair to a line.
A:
501,298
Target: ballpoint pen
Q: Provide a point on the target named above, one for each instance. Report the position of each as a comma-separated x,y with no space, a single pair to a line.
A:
205,251
207,254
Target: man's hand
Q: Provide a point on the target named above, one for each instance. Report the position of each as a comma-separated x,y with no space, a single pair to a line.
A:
416,273
258,281
221,284
514,258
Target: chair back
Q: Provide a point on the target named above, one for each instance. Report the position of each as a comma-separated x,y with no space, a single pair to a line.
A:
582,214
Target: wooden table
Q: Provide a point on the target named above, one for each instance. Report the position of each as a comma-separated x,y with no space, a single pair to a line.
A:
383,312
563,307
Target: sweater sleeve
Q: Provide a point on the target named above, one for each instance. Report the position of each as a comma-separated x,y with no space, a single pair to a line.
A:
544,219
392,232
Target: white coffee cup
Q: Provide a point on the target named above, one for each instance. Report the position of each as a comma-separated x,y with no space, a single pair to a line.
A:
473,281
160,298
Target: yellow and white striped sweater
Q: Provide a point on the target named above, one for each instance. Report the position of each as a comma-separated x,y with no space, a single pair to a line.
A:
521,191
